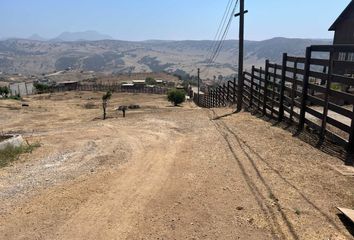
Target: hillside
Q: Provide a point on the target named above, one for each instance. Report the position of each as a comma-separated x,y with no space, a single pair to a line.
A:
112,56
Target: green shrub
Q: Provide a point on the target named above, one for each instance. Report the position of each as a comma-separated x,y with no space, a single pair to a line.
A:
41,88
176,96
4,91
16,97
150,81
11,153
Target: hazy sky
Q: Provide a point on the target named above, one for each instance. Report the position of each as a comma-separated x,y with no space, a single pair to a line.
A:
167,19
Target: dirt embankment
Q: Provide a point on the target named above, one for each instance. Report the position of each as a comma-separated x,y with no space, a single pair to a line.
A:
163,173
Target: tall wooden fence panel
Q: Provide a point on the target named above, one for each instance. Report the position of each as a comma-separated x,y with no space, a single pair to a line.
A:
304,91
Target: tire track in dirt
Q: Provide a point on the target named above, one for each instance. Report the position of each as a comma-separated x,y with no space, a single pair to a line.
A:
266,209
234,141
114,212
244,145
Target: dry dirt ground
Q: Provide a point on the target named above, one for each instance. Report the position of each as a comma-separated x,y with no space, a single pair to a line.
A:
163,173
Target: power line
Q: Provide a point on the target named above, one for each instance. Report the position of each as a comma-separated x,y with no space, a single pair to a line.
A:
221,26
219,44
213,48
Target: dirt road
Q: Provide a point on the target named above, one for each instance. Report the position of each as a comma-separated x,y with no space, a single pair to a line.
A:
164,173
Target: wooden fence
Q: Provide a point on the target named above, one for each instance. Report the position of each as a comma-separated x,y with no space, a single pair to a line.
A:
304,91
112,88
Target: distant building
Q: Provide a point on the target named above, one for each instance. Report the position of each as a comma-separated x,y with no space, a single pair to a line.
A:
127,86
139,83
69,85
161,82
344,34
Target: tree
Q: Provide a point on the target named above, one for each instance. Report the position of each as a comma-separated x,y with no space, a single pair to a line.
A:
105,99
41,88
150,81
4,91
220,77
176,96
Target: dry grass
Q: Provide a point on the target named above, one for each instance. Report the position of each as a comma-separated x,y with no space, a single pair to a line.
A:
11,153
164,172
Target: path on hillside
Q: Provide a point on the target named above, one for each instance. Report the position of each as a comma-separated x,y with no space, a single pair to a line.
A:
184,174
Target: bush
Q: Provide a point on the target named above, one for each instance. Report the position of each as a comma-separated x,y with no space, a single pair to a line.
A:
150,81
176,96
16,97
11,154
41,88
4,92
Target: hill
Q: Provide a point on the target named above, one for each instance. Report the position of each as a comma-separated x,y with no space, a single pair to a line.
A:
113,56
81,36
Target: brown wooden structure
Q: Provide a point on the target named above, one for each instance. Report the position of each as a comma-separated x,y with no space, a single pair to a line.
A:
289,92
343,29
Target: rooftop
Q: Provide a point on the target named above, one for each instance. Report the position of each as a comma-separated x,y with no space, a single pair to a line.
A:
343,16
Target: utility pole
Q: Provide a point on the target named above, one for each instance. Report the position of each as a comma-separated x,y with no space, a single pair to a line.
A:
240,84
198,84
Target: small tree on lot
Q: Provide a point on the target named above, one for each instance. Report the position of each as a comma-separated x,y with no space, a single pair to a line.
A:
41,88
176,96
105,100
4,92
150,81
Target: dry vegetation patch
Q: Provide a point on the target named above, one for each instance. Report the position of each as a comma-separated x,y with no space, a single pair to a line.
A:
163,173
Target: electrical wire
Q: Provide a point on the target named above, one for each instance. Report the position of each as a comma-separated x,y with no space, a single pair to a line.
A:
218,45
219,31
222,40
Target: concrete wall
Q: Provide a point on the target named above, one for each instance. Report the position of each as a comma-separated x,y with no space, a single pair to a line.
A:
23,88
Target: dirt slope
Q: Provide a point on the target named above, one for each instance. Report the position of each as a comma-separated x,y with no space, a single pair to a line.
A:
163,173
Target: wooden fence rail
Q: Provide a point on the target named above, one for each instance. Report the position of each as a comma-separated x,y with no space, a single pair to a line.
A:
112,88
302,91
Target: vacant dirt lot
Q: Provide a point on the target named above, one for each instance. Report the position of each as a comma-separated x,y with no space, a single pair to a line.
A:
163,173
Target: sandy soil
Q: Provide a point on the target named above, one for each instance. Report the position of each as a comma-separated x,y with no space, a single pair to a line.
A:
163,173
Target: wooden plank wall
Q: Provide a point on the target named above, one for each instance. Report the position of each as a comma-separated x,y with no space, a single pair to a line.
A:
302,91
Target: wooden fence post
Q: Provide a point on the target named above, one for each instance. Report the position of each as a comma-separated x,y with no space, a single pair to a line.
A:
326,99
282,87
305,86
228,91
225,94
259,89
273,89
293,90
234,92
214,98
252,86
265,91
207,99
211,98
350,147
221,94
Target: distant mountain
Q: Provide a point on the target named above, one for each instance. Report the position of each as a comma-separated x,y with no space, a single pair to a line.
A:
113,56
81,36
36,37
